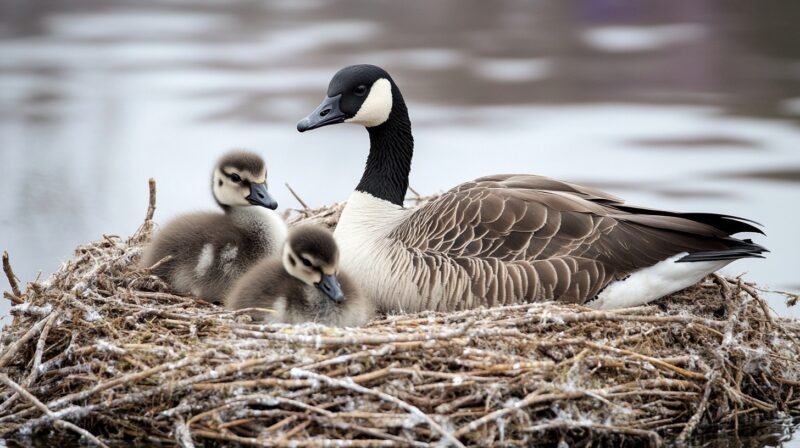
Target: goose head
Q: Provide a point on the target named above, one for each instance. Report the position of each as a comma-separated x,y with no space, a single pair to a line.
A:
310,254
361,94
240,180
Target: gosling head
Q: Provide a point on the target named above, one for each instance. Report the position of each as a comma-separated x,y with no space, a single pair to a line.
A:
240,180
361,94
310,254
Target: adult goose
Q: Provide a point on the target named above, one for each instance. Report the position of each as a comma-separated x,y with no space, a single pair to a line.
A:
302,284
508,238
210,250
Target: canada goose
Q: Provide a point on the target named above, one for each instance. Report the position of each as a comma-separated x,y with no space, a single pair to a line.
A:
506,238
210,250
303,284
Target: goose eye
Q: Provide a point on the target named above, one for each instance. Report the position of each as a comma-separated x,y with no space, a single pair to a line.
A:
306,262
236,178
360,90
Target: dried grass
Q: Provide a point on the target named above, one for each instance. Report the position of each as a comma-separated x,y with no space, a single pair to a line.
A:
104,350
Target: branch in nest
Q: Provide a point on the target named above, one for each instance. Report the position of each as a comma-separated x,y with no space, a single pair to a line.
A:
9,354
151,205
14,299
415,411
12,278
41,406
297,196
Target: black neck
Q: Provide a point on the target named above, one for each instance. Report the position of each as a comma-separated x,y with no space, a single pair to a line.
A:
390,152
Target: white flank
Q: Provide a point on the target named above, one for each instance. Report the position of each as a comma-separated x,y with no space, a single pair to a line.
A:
205,260
377,107
280,310
648,284
371,257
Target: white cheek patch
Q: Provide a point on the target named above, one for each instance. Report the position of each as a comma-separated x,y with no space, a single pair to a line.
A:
297,270
376,108
287,263
228,193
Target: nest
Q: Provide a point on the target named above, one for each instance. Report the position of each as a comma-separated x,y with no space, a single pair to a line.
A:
103,350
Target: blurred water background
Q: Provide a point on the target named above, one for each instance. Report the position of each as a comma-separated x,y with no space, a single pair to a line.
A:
685,105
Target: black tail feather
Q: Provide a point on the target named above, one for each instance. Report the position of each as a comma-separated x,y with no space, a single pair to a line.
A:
726,223
738,249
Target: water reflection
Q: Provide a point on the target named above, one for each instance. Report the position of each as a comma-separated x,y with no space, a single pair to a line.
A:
683,105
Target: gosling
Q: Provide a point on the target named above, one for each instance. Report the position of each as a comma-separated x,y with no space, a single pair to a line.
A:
210,250
302,285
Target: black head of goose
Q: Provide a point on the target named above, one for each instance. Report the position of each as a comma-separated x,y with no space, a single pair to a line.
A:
506,238
304,284
210,250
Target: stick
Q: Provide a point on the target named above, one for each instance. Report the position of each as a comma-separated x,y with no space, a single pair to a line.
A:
13,280
12,350
754,294
296,196
383,396
125,379
183,436
651,360
323,341
14,299
158,263
58,422
151,207
698,414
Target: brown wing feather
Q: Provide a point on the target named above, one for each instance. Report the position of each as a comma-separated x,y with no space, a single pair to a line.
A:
508,238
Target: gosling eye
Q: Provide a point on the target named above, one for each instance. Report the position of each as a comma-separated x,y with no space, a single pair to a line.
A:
360,90
236,178
306,263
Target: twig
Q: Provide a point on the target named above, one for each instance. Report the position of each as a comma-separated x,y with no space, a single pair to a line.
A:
8,355
415,411
754,294
40,347
296,196
41,406
158,263
14,299
531,399
151,204
321,341
183,435
698,414
651,360
125,379
12,278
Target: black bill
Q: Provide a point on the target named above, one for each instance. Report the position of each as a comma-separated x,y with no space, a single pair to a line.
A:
260,196
330,286
327,113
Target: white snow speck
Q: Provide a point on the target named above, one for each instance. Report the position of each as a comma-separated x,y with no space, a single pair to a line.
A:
91,315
